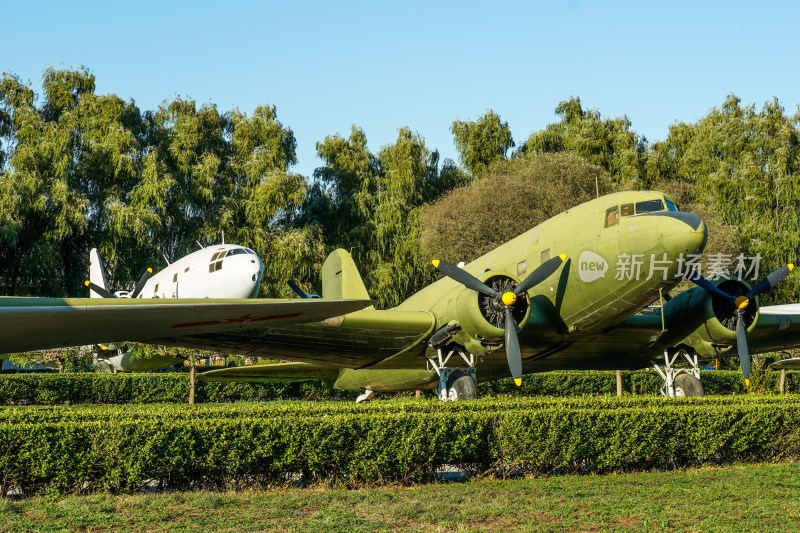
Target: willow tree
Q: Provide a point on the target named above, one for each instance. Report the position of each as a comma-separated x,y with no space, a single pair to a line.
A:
608,143
482,142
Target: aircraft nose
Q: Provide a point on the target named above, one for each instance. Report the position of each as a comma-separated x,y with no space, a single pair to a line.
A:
683,232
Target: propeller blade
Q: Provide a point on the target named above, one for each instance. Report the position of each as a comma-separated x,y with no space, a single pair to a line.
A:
465,278
141,283
99,290
296,289
741,346
772,279
541,273
513,354
703,283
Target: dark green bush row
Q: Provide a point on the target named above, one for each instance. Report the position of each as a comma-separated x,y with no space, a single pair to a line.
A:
50,389
408,441
302,409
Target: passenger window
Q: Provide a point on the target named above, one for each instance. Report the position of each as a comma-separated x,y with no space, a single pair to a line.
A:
649,206
545,255
175,278
612,216
186,269
155,289
522,266
626,210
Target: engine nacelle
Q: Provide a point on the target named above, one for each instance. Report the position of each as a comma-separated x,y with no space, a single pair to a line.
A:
706,321
481,317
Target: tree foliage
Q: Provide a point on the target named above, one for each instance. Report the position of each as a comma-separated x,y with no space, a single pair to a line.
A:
514,196
482,142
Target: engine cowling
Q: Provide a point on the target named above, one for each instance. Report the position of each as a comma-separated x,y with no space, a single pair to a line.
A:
481,317
706,321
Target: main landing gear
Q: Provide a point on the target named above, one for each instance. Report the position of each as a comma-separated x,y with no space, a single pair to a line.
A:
455,383
679,381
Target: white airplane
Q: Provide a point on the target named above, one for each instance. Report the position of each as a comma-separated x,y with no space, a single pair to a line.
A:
220,271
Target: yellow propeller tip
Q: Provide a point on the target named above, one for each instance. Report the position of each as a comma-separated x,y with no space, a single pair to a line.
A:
285,279
435,263
104,347
518,382
791,267
149,270
563,257
747,383
86,283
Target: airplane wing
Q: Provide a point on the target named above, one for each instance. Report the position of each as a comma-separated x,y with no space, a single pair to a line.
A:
276,372
42,323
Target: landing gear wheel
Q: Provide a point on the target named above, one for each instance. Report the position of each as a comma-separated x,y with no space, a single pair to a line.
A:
461,387
688,385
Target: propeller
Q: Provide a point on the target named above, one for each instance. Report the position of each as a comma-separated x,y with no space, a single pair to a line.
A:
506,300
740,304
105,293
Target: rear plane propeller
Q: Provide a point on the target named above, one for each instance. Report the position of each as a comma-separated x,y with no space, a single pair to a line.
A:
740,304
506,301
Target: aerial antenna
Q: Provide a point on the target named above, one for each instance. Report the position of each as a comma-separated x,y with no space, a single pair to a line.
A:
223,236
596,186
198,244
165,258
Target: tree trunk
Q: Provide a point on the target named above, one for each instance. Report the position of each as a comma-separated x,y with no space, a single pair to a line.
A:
191,383
783,381
619,382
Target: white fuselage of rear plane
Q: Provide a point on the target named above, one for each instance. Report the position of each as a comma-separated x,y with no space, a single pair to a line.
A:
220,271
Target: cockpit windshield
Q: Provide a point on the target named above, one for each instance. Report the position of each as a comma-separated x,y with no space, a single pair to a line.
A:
649,206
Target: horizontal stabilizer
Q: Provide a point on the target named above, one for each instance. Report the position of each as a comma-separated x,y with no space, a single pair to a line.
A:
274,372
786,364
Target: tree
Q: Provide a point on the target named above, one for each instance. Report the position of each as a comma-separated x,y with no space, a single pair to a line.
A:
511,198
482,142
608,143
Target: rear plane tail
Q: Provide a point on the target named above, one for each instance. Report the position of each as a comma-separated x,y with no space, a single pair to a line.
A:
97,273
340,278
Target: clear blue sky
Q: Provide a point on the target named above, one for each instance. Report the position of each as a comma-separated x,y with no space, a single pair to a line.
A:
383,65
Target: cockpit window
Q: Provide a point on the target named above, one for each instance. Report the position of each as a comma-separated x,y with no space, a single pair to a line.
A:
649,206
235,251
612,216
671,206
249,251
626,210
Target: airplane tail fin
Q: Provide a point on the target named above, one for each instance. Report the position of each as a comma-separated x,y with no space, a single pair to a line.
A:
97,272
340,278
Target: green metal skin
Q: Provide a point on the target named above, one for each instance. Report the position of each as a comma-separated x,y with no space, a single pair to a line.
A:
572,322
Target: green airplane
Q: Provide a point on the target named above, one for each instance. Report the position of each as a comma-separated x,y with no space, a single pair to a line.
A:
574,293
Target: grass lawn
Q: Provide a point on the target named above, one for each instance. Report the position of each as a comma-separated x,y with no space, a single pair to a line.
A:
731,498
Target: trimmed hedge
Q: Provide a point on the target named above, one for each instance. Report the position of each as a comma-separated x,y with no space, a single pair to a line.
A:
50,389
125,448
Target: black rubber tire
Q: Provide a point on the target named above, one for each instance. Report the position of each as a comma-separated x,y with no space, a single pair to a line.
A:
462,387
688,385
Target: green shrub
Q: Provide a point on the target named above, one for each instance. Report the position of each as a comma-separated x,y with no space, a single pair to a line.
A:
72,388
127,447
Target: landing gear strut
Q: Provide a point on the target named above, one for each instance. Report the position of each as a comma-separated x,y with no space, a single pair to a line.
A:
679,381
455,383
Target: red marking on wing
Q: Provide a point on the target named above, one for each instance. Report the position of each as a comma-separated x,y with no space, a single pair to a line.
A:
237,320
194,324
